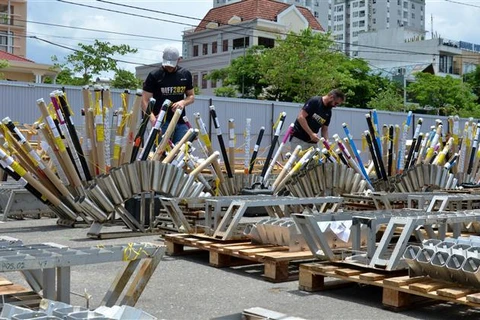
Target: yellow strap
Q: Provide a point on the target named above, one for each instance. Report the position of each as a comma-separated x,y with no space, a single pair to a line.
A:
68,104
123,96
130,254
277,122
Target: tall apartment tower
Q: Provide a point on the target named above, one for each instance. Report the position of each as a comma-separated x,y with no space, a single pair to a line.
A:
13,27
351,17
347,18
321,9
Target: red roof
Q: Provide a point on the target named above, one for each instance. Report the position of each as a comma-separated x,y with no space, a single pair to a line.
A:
254,9
11,57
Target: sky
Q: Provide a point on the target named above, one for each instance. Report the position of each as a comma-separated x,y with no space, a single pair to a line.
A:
164,22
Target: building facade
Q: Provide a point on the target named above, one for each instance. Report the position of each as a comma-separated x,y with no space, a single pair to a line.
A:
227,32
353,17
403,51
13,27
321,9
346,19
25,70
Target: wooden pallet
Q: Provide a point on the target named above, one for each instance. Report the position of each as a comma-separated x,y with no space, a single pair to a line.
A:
399,290
277,260
17,295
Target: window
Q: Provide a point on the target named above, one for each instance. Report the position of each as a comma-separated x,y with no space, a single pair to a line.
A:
315,14
355,34
213,83
205,49
195,50
355,14
405,15
214,47
4,14
225,45
361,3
413,5
405,5
374,20
355,4
361,23
413,15
355,24
204,81
339,18
240,43
266,42
445,64
195,80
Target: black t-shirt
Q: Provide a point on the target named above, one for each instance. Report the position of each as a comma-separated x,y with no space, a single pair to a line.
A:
318,115
165,85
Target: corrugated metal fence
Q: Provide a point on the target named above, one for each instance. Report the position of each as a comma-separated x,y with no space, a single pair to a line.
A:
18,101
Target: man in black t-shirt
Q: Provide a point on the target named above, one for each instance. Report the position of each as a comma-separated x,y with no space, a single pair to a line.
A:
314,116
169,82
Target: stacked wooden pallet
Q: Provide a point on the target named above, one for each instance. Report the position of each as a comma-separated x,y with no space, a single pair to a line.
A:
279,264
399,290
17,295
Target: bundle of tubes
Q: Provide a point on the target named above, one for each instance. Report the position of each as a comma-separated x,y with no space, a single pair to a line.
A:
89,177
452,260
438,159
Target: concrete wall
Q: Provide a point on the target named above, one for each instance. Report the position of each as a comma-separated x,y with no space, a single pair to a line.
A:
18,101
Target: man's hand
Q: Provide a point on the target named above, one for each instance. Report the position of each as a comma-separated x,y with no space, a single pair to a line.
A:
314,138
153,119
178,105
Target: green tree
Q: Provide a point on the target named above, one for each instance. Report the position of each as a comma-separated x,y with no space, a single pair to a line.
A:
3,64
65,76
243,75
447,95
473,79
125,79
93,59
302,65
387,99
228,91
359,83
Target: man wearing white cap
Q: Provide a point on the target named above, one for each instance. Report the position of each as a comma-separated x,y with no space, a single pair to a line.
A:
169,82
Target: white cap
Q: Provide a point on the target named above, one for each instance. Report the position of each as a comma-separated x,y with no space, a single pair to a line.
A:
170,57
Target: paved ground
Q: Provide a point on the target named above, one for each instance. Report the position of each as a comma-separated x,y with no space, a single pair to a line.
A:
187,287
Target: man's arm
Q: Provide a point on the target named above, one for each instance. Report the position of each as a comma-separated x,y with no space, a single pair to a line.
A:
324,132
189,99
302,120
145,99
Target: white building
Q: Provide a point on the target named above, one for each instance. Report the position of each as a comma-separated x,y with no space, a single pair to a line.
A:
348,18
226,33
321,9
404,51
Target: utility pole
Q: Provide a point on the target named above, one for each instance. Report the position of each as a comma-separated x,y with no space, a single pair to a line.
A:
9,36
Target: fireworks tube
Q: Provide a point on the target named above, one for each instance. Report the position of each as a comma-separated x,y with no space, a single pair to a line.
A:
247,138
403,144
73,133
286,137
218,130
378,154
355,152
132,125
368,138
255,149
414,142
287,166
278,128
